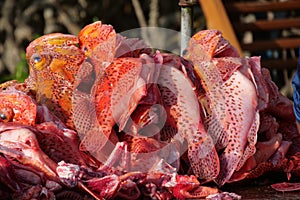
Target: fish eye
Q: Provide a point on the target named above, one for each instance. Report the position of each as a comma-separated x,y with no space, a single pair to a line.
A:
36,58
85,49
3,116
6,114
184,52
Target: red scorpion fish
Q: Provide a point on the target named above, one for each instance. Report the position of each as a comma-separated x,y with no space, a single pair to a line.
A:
233,117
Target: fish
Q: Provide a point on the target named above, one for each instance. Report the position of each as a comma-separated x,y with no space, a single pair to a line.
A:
54,61
231,101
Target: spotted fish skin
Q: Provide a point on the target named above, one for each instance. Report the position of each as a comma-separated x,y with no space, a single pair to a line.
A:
54,60
212,82
230,100
115,96
120,83
98,42
183,112
102,44
16,106
242,125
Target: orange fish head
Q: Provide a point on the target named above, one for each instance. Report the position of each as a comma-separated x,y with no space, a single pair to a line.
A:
57,53
96,34
203,43
16,106
210,43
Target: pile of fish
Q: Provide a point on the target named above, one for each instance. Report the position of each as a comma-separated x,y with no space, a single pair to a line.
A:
104,116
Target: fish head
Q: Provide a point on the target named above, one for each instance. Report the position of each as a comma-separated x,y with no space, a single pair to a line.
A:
55,53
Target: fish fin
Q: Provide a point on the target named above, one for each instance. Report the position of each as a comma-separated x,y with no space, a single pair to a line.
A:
208,41
217,132
94,140
84,113
262,89
204,158
128,90
130,47
228,162
212,42
252,139
98,36
86,123
98,42
168,132
225,49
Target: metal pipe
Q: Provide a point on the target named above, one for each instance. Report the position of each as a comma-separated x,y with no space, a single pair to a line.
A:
186,22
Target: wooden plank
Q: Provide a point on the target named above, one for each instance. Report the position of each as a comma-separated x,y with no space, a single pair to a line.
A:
217,18
280,64
264,25
282,43
262,6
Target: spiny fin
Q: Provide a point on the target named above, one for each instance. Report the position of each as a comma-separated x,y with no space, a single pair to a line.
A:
215,129
94,140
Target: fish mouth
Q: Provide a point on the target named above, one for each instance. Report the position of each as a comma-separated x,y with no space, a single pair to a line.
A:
50,41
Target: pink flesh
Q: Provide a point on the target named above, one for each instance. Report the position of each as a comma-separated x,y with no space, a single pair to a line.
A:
266,149
59,144
103,188
262,90
286,187
182,106
22,145
188,187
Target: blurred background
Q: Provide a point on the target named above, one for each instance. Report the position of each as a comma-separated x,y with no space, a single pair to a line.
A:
22,21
